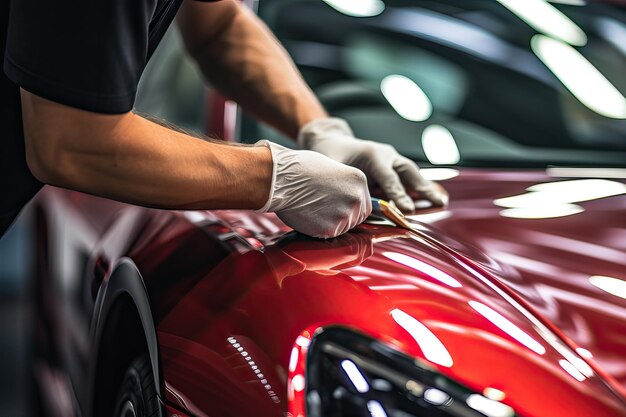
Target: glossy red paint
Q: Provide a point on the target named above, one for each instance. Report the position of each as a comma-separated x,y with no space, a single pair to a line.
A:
491,301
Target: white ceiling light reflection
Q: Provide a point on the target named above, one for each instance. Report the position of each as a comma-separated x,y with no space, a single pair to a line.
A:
584,353
545,18
439,174
406,98
546,212
494,394
580,77
614,286
489,407
564,192
431,346
355,375
554,199
435,396
587,172
423,267
298,382
439,146
293,359
571,369
357,8
508,327
376,409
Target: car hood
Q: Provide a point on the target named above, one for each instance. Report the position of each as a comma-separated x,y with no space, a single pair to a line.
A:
491,300
558,242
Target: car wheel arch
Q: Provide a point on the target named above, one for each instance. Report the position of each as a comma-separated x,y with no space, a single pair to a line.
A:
123,292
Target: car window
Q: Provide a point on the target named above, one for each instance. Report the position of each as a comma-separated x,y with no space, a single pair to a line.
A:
465,82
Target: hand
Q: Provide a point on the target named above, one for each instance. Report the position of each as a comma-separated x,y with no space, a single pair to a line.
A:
314,194
381,163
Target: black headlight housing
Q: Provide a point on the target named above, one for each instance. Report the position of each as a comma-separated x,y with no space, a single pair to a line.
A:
352,375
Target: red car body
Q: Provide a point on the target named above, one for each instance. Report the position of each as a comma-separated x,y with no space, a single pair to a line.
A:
508,302
525,312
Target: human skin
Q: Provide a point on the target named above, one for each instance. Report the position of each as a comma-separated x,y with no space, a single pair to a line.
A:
129,158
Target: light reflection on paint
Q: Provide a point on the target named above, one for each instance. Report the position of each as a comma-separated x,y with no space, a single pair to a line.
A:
360,8
393,287
431,346
571,369
546,212
575,191
406,98
298,383
587,172
430,217
508,327
423,267
489,407
580,77
439,146
355,376
376,409
554,199
436,396
494,394
293,359
614,286
547,19
303,341
584,353
440,174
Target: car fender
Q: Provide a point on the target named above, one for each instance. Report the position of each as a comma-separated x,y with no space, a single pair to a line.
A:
125,278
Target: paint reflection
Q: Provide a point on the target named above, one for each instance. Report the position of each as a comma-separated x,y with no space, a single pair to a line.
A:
355,376
423,267
555,199
432,348
614,286
508,327
327,257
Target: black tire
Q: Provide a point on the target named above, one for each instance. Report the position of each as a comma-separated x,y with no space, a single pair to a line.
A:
137,396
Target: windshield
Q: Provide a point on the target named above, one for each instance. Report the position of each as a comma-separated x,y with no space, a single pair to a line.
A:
466,82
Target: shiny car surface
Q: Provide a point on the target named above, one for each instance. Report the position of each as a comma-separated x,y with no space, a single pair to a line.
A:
509,302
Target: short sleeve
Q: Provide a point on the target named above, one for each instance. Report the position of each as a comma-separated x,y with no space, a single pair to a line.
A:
87,54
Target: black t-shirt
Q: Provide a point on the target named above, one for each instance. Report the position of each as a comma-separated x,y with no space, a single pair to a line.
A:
87,54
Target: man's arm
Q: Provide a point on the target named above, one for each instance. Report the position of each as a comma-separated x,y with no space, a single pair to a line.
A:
129,158
243,59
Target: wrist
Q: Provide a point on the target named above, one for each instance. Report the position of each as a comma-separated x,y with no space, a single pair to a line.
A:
319,129
263,177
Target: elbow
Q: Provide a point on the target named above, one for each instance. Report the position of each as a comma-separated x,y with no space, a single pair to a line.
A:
48,159
50,139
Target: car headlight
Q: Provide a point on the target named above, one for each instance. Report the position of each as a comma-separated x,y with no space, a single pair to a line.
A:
349,374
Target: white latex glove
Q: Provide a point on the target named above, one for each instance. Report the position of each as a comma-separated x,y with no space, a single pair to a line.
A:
314,194
382,164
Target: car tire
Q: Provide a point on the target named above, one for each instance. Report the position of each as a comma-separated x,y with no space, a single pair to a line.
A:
137,396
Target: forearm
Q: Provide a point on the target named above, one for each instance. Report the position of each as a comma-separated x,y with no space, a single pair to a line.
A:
247,64
138,161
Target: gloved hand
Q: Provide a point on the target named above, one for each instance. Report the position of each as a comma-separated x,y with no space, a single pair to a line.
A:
382,164
314,194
